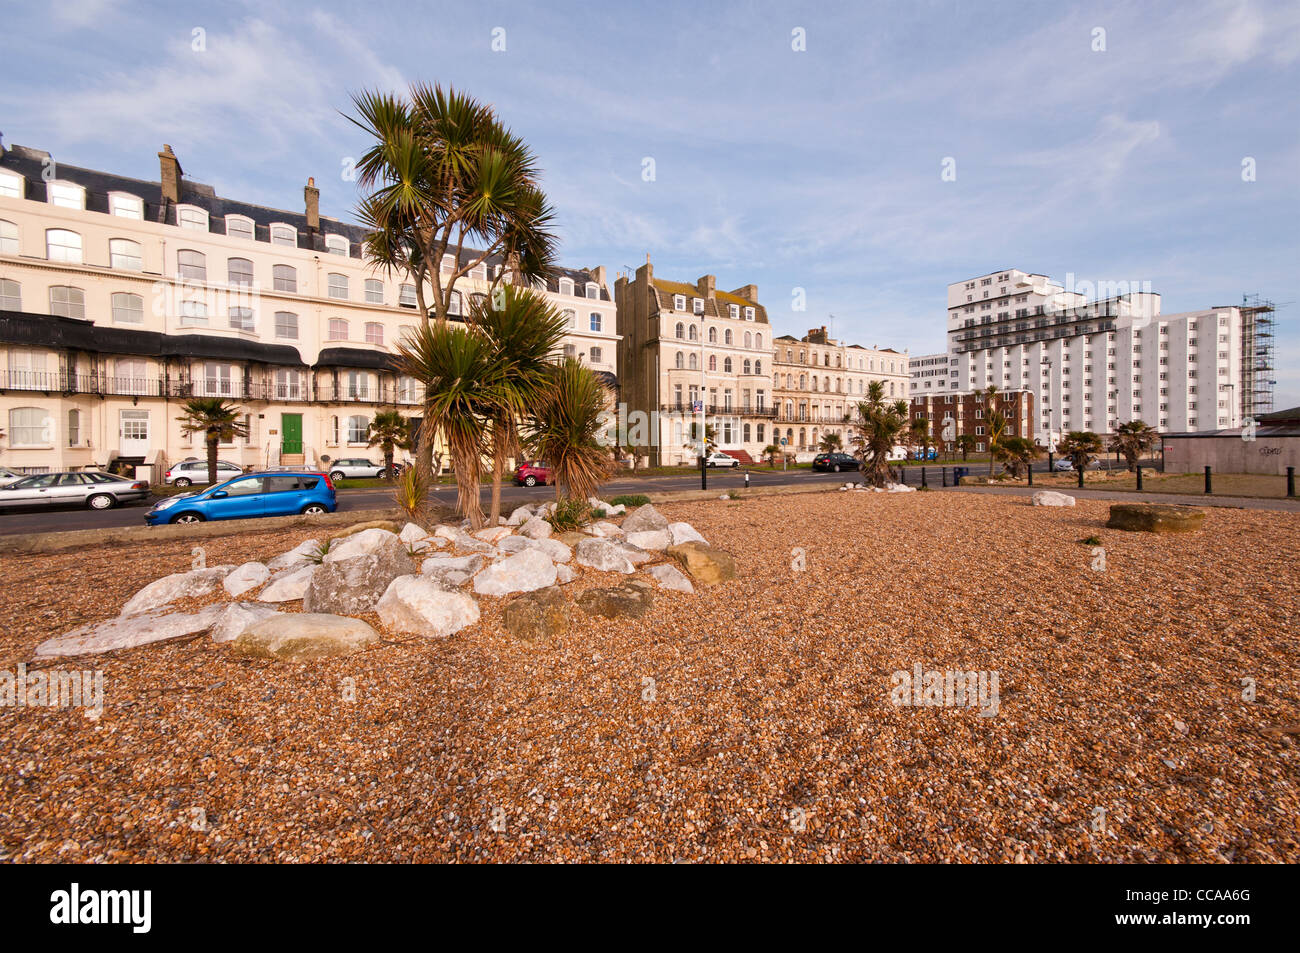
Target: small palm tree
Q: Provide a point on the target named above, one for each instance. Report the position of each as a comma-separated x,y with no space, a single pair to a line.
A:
389,431
966,443
831,442
997,421
770,452
1016,454
523,331
568,421
1133,439
218,421
880,426
1081,446
462,390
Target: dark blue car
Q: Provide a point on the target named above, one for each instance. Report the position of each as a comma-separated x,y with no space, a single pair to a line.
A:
277,493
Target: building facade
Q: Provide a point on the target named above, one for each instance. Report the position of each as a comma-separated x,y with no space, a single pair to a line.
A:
688,349
929,373
122,298
949,416
818,381
1093,365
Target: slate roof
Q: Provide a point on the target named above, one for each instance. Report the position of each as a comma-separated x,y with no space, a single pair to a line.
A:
664,291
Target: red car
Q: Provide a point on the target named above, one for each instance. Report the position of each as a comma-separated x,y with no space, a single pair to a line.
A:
532,473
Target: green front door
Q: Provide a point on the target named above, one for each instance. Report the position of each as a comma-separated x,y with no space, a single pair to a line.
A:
291,433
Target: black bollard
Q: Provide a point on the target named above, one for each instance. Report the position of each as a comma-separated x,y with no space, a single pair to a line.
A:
1081,469
704,477
1290,481
943,474
1031,473
1208,486
1139,473
924,485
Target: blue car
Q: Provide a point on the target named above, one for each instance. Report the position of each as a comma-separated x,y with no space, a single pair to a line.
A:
278,493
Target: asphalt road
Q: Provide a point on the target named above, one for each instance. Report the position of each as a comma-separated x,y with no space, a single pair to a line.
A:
53,520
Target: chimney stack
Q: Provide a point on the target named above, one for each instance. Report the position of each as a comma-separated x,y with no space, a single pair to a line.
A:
708,286
748,292
170,175
311,196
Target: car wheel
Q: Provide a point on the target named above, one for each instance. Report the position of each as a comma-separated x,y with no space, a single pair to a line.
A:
835,468
314,509
186,518
182,482
101,501
336,475
530,481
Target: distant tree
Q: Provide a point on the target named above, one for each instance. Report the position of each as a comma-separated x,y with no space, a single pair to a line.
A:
996,421
1132,440
389,431
770,452
831,442
966,443
217,420
881,425
1016,454
1081,447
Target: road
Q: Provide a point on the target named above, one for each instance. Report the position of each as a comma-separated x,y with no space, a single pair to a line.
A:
52,521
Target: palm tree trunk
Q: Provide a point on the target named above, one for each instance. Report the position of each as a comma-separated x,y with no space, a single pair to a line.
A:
500,445
212,457
465,456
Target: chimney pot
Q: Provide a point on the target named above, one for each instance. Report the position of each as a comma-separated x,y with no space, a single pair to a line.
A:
311,199
170,173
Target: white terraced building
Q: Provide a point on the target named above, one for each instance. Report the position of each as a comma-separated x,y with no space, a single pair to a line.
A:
121,298
1095,364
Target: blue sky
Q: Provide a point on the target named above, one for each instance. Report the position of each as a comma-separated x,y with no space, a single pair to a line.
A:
817,169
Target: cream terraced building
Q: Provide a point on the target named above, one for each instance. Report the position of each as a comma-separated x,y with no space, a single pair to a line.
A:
121,298
818,381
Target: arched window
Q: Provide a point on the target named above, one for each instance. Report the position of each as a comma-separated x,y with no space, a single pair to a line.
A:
11,295
336,245
63,245
338,285
713,362
125,254
128,308
566,286
239,271
125,205
758,340
681,359
237,226
595,320
692,363
374,332
681,330
191,216
284,278
693,334
67,302
745,432
749,339
453,304
758,367
593,290
726,365
713,335
746,366
9,239
726,336
803,382
74,427
406,297
286,325
191,265
284,235
374,291
338,329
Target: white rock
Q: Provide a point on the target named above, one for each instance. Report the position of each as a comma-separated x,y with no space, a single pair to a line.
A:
603,555
368,542
522,572
650,539
634,553
491,534
565,575
556,550
245,577
294,557
466,541
443,563
670,577
520,516
125,632
179,585
288,585
420,607
643,518
412,533
536,528
236,618
899,488
304,636
450,533
449,579
684,533
514,544
605,529
1052,498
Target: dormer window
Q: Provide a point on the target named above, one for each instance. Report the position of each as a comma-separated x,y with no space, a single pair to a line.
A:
679,302
190,216
733,310
480,271
239,227
566,286
593,290
65,195
336,245
11,186
749,314
125,205
448,264
697,305
284,235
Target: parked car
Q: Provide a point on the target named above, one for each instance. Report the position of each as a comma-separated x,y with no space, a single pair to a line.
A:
8,476
921,454
99,491
532,472
717,459
356,468
275,493
192,472
1066,465
834,462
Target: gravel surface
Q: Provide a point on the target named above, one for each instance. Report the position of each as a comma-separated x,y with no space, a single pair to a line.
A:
750,721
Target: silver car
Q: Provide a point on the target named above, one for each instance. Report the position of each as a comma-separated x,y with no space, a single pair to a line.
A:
192,472
99,491
355,467
8,476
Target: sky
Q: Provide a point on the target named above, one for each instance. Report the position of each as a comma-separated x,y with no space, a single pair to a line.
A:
850,159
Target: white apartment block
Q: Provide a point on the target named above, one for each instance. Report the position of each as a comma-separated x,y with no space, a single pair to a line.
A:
121,298
1094,364
929,374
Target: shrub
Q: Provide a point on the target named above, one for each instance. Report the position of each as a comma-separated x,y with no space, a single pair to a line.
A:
633,499
317,555
1091,541
570,514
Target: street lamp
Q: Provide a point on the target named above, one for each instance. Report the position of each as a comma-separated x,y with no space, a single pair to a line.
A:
704,472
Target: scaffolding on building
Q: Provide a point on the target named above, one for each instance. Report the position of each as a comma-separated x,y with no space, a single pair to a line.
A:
1256,355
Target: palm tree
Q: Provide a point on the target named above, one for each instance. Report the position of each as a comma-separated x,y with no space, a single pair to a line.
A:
217,420
966,443
463,389
770,452
1081,446
567,426
389,431
880,426
1133,439
831,442
997,422
1016,454
523,333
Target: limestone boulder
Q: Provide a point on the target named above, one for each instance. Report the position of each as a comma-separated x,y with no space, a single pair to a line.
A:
129,631
522,572
354,585
704,564
1156,518
1052,498
520,515
245,577
288,585
236,617
179,585
543,613
685,533
634,553
304,636
295,558
605,529
655,540
368,542
670,577
603,555
536,528
415,605
631,599
493,534
391,526
644,518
